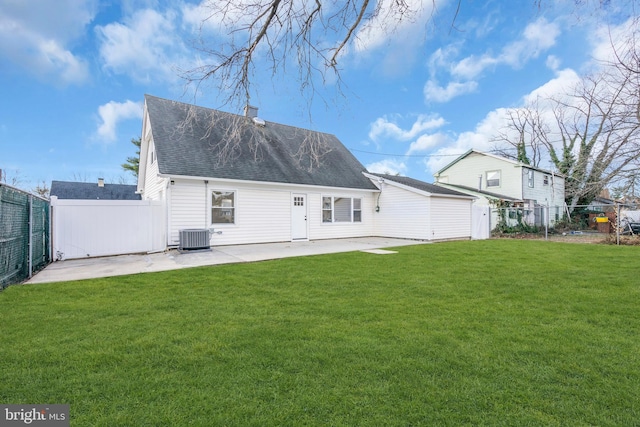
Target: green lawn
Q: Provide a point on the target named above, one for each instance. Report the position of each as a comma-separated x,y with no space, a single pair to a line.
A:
496,332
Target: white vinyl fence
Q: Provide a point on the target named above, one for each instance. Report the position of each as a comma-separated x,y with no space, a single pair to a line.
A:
91,228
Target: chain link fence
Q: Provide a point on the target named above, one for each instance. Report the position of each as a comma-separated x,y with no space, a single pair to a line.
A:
612,218
24,235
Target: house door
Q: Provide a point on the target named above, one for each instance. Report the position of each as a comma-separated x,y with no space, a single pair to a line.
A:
299,217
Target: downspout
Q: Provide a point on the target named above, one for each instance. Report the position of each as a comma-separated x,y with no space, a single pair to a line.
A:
381,182
167,201
206,198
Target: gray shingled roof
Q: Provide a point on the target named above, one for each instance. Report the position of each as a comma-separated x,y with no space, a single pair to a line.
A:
267,153
483,192
91,191
421,185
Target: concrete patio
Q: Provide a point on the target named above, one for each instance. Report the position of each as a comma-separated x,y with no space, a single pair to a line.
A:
88,268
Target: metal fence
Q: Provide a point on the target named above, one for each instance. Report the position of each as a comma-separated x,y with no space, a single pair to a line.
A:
24,235
613,218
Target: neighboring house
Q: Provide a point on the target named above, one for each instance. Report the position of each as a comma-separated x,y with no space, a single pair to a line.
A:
269,189
67,190
491,177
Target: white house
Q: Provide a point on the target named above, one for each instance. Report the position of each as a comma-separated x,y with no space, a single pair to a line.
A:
490,177
266,189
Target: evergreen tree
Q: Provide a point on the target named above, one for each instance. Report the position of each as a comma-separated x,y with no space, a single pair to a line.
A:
133,163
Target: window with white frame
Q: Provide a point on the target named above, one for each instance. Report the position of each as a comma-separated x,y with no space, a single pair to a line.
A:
341,209
223,207
530,177
545,180
493,178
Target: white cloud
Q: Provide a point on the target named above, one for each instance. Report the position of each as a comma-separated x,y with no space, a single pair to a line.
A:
393,33
481,138
434,92
553,62
389,22
560,85
388,166
383,127
428,142
39,42
610,42
472,66
111,114
146,46
537,37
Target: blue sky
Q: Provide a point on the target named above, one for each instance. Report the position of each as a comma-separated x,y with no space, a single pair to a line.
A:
73,77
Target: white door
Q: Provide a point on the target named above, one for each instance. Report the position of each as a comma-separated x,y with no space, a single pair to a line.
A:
299,217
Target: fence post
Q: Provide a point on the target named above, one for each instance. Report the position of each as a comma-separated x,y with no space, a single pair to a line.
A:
546,221
30,241
617,208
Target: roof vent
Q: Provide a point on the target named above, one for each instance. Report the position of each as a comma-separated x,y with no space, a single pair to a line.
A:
258,121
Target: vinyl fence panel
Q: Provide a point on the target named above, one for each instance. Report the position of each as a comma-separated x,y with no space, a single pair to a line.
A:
91,228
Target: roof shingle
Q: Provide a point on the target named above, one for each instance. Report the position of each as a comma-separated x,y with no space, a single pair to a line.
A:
91,191
197,141
420,185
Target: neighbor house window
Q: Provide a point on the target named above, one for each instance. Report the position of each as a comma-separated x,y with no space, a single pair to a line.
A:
545,180
493,179
223,207
341,209
530,175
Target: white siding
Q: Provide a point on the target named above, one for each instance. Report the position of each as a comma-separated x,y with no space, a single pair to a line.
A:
262,212
450,218
188,207
467,172
262,216
154,185
551,194
403,214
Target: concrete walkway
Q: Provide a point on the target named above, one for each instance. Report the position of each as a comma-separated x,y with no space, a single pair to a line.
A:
89,268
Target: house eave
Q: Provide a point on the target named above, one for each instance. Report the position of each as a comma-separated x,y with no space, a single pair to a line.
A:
513,162
265,183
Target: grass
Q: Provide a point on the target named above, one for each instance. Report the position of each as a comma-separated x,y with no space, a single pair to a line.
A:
494,332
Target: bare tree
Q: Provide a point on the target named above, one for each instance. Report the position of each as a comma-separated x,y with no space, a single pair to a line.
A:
310,35
241,38
525,137
600,133
231,136
591,135
14,178
42,190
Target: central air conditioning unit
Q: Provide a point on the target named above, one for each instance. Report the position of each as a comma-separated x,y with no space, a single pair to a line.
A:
194,239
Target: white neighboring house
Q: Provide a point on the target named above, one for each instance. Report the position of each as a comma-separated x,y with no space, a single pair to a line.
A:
264,191
490,177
